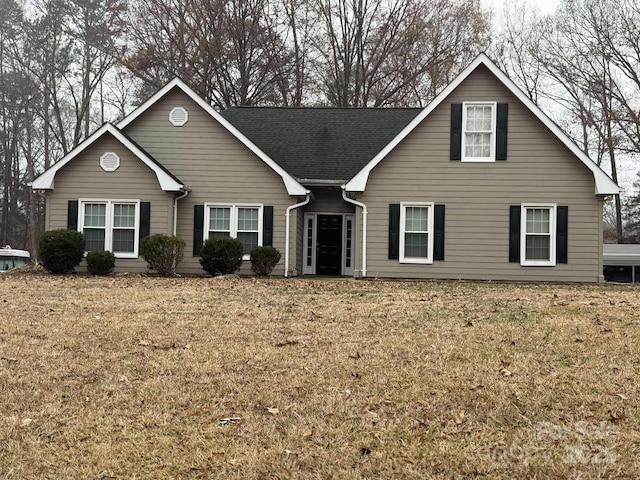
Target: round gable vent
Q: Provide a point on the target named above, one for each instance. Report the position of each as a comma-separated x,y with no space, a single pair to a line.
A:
109,161
178,116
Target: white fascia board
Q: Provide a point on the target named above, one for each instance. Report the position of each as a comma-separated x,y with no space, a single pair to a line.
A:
292,186
167,183
603,183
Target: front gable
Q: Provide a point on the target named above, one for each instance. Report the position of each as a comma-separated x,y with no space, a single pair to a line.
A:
484,83
105,148
188,135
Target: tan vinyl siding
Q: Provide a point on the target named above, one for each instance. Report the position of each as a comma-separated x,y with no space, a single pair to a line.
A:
83,178
215,165
477,196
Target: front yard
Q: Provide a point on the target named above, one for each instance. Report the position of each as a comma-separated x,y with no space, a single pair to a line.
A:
139,377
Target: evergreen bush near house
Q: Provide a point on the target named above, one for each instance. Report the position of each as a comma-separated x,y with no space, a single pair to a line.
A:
163,253
221,255
264,260
60,251
100,262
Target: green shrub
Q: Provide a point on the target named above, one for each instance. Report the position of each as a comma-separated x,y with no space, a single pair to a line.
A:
221,255
163,253
60,251
100,262
264,260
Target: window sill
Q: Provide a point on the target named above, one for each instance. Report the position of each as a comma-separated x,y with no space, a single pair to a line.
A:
419,261
538,264
478,160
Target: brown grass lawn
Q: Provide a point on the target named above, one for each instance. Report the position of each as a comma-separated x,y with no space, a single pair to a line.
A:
136,377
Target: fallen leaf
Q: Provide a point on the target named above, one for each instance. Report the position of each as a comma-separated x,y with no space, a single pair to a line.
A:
308,433
459,417
273,410
505,372
26,422
476,387
371,414
621,396
356,356
144,343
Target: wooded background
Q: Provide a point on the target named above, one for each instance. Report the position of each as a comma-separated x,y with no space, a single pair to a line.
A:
68,66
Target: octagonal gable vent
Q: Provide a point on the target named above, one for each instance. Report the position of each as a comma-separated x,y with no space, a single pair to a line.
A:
178,116
109,161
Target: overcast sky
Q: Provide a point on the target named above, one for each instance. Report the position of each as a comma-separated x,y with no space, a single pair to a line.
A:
545,6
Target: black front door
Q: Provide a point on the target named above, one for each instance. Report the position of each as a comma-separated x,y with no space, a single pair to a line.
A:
329,248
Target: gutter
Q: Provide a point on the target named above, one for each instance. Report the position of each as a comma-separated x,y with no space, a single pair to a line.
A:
175,211
364,229
288,233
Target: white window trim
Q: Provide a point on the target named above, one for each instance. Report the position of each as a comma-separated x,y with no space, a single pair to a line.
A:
492,141
553,220
108,237
430,232
233,220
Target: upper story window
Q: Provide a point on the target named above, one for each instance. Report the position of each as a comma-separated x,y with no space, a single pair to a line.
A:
479,132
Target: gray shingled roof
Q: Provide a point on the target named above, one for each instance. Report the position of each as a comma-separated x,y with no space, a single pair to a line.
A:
320,143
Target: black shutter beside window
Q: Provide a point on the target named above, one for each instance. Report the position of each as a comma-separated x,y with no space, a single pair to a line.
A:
72,215
145,220
456,132
198,228
267,226
562,227
438,221
514,233
502,118
394,231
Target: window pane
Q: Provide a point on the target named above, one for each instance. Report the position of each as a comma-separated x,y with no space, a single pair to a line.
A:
124,215
478,145
248,219
219,218
416,219
123,240
249,240
94,214
479,118
538,220
538,247
415,245
94,239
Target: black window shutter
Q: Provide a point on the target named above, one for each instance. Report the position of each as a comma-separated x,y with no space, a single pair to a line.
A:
501,131
394,231
267,226
438,226
562,230
198,228
145,219
456,132
514,233
72,215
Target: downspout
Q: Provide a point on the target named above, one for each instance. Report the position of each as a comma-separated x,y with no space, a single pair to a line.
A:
364,229
175,212
287,233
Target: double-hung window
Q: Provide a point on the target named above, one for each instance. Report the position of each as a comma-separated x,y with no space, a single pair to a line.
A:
416,232
479,132
538,234
243,222
110,225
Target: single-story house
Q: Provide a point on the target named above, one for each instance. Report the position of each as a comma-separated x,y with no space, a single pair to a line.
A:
480,184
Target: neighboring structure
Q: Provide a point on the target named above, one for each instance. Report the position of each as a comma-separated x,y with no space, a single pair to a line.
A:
478,185
622,263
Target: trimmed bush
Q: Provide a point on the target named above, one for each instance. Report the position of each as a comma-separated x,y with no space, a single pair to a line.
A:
100,262
221,255
60,251
163,253
264,260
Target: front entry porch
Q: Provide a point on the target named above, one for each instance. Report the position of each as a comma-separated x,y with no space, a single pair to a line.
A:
328,244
